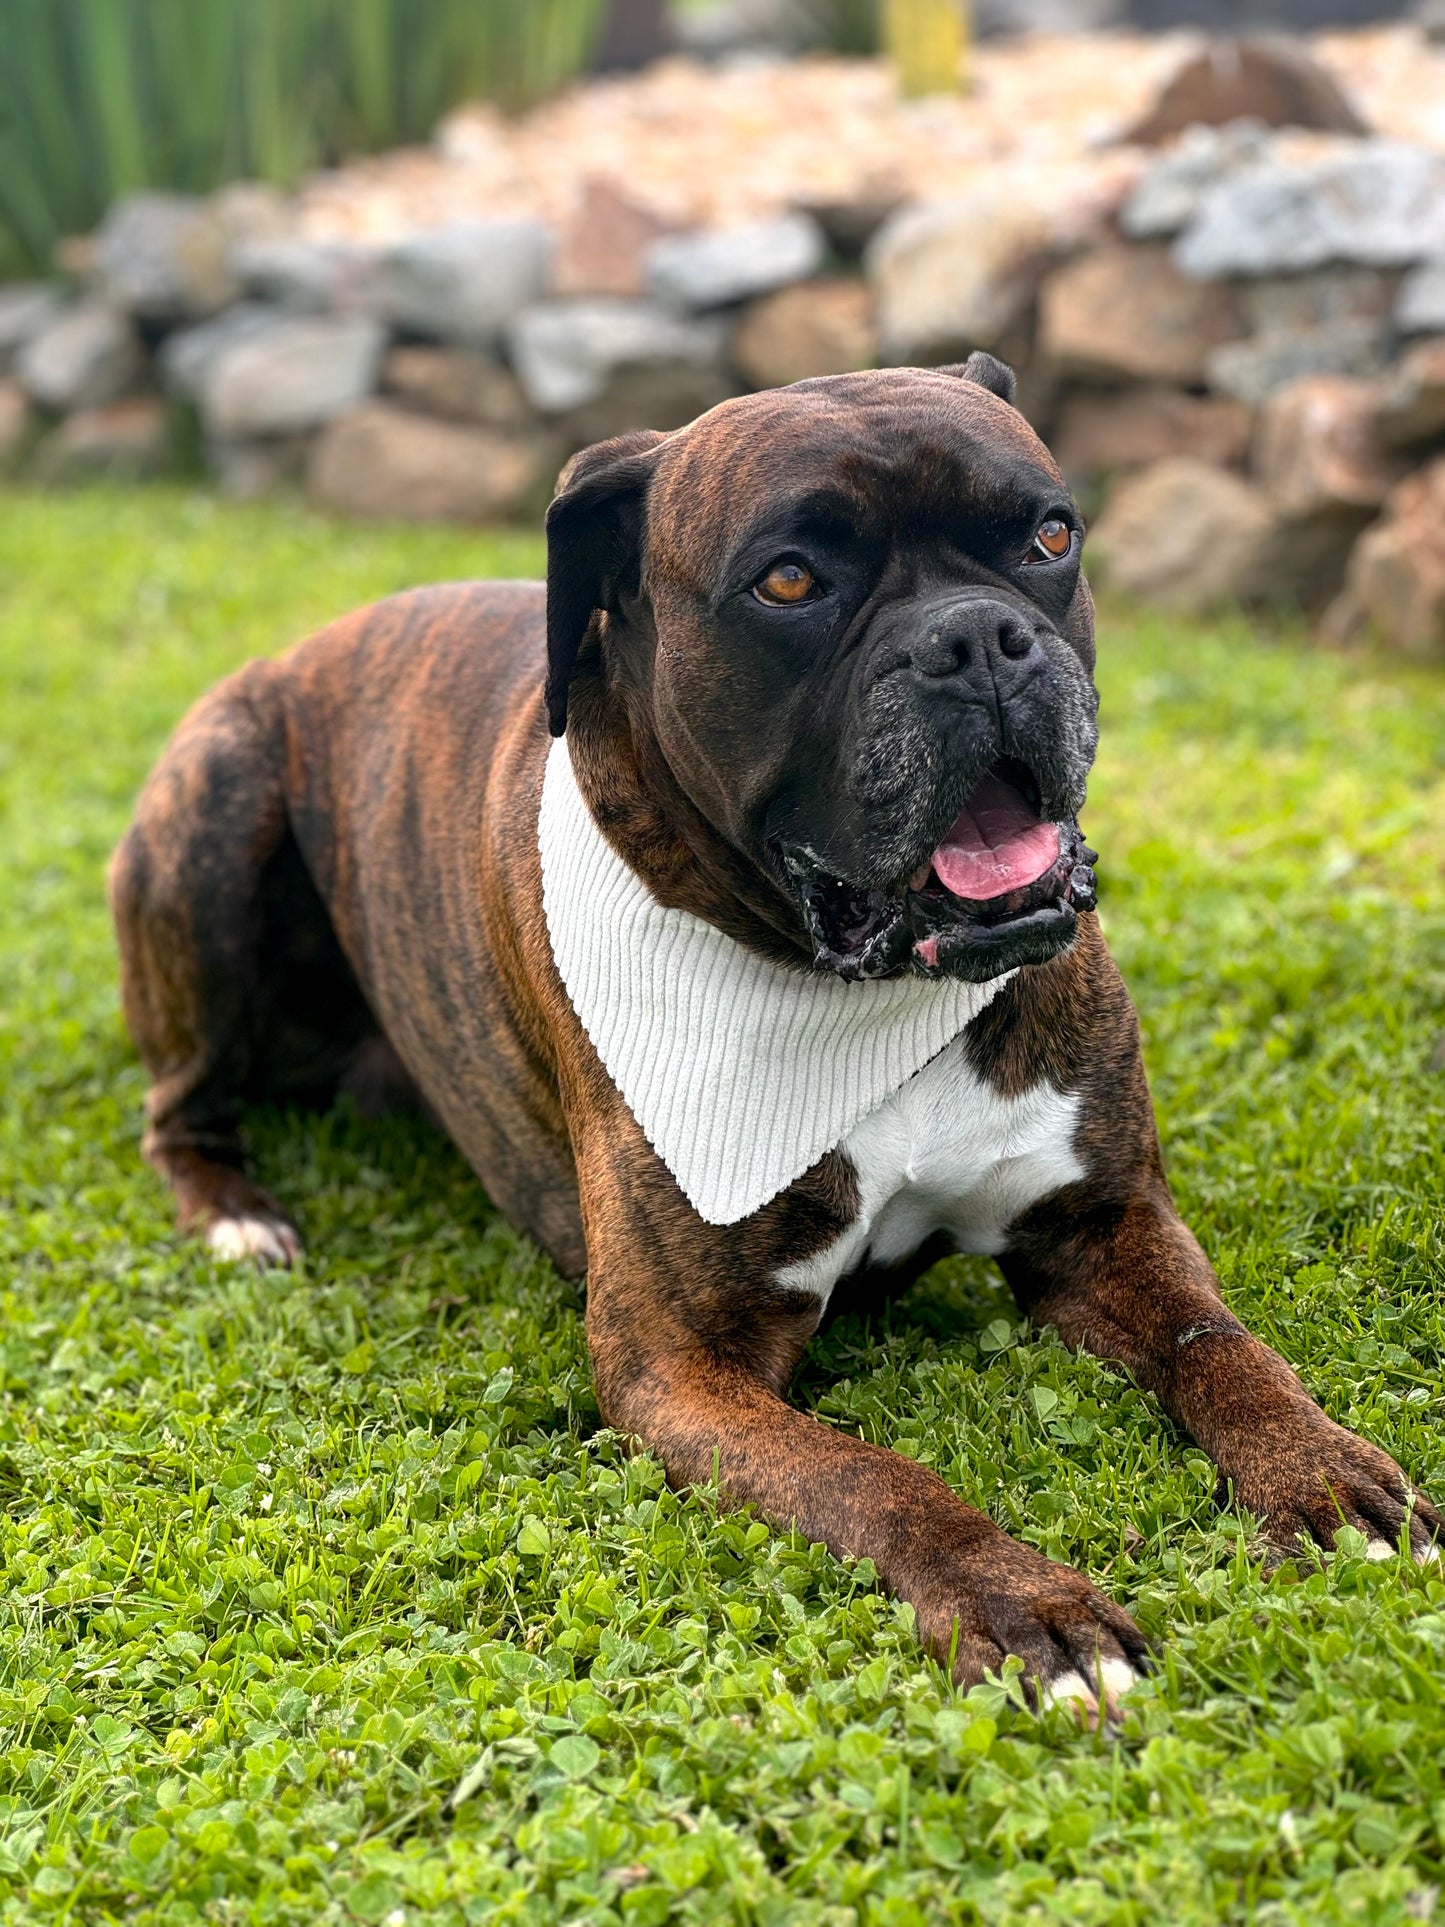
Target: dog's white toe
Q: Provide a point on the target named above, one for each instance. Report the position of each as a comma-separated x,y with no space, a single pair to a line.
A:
1379,1550
1118,1677
269,1241
1069,1686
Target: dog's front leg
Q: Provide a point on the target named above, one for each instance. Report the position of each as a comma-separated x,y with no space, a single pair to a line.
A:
1130,1283
693,1359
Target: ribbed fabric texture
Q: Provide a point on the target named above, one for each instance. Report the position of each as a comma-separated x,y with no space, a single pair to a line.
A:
740,1073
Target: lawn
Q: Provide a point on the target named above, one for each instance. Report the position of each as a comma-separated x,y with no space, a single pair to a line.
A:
327,1599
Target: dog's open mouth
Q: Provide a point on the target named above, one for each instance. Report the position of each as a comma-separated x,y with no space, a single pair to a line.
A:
1003,888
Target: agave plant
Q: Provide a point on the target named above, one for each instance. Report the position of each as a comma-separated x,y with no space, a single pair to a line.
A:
98,97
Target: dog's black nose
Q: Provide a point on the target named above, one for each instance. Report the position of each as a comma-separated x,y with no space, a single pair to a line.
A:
1015,638
971,637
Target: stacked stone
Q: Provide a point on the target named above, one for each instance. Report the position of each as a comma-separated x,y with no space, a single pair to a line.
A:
442,377
1312,288
1240,363
1233,336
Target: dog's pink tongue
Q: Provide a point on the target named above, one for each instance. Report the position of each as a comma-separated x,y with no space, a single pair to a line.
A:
998,844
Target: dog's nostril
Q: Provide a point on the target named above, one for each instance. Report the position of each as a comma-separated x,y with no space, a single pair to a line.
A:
941,653
1014,640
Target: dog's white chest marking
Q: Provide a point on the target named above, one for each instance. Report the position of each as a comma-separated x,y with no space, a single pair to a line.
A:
740,1074
946,1153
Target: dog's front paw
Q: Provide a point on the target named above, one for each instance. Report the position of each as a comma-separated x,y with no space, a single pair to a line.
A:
270,1240
217,1202
1010,1600
1319,1477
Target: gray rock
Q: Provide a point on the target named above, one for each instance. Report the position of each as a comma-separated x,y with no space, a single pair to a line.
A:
1382,205
1410,412
1228,16
1192,536
1183,533
164,257
1251,370
1265,77
1046,16
1396,583
25,308
819,327
1167,197
291,377
1421,307
664,395
309,277
1318,299
602,242
950,276
125,441
1329,321
752,30
382,462
455,384
1122,313
186,356
711,268
463,284
87,356
14,422
253,211
566,353
1111,430
1317,448
247,470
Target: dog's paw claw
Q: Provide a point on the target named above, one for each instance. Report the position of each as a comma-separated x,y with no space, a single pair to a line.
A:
270,1242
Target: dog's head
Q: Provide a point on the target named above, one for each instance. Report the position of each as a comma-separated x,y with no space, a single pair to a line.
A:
848,621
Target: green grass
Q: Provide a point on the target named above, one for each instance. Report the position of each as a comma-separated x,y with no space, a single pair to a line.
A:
286,1558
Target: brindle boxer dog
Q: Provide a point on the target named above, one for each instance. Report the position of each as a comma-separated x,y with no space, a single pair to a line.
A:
824,662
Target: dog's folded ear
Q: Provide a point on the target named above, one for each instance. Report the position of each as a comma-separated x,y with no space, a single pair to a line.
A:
989,372
594,541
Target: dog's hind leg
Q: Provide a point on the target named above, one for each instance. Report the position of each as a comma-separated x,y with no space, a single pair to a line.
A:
186,894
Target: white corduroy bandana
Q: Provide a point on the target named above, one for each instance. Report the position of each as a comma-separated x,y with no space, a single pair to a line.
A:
741,1073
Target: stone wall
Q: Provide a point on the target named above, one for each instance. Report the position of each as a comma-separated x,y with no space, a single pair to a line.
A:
1232,336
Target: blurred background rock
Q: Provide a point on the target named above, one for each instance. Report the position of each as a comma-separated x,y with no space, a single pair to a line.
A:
408,254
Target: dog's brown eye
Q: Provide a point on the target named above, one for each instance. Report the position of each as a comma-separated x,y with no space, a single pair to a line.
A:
785,582
1052,542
